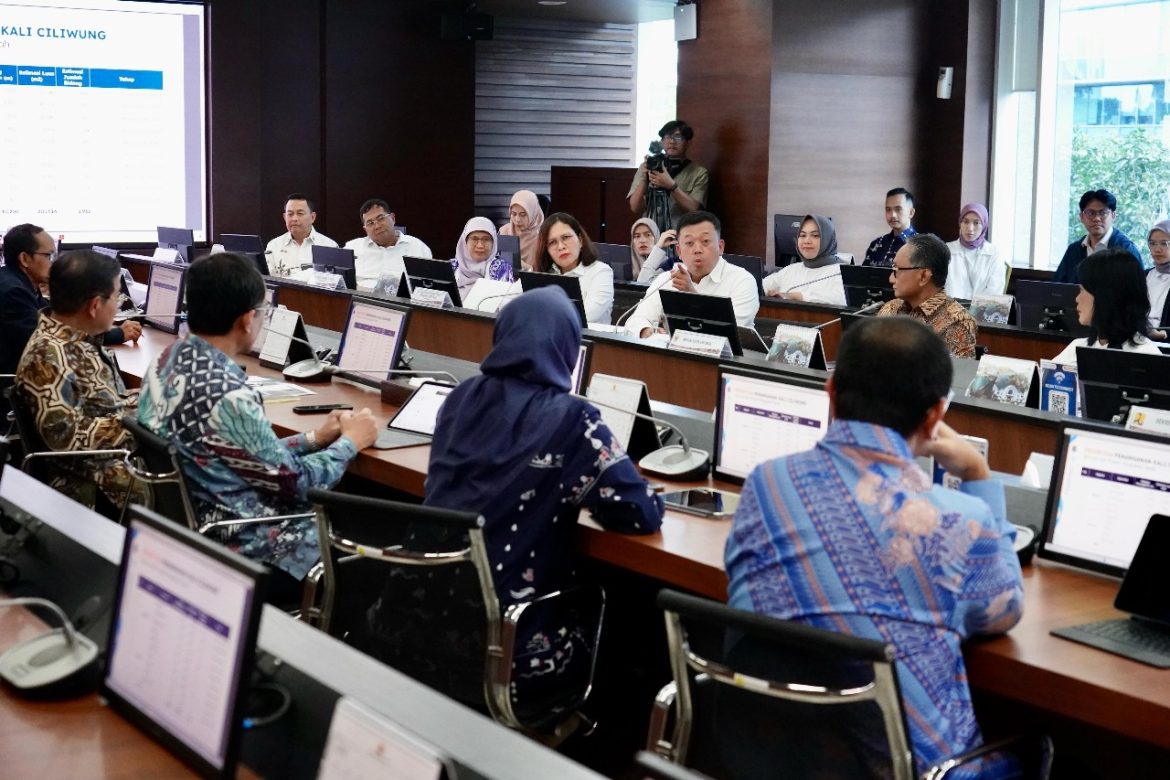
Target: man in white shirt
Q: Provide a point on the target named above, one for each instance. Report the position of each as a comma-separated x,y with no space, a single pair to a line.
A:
703,270
380,253
292,251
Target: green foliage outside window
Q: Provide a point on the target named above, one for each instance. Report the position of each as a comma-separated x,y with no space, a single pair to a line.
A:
1135,166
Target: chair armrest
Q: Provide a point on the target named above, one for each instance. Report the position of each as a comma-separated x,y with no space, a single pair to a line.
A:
660,714
203,529
1040,743
32,456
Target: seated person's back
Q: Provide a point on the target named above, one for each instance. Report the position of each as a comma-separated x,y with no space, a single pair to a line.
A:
851,536
196,396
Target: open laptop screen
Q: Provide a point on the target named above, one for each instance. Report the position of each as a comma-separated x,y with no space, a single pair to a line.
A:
184,634
372,339
421,411
761,416
1106,483
164,296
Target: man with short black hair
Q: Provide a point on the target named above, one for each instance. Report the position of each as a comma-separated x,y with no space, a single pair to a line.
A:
673,188
70,385
702,270
899,216
852,537
293,250
198,398
380,253
919,276
1097,211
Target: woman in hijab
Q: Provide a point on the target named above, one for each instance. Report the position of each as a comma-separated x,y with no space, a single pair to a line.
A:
1158,279
817,277
643,238
477,256
513,445
976,267
524,219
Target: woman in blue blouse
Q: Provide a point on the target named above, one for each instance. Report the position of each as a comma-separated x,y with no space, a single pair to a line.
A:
515,446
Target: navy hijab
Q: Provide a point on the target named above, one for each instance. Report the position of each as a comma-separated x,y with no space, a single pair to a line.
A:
492,426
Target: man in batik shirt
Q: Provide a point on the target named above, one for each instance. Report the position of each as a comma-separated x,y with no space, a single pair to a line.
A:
919,275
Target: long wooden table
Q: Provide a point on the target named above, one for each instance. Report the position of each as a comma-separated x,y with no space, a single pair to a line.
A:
1027,665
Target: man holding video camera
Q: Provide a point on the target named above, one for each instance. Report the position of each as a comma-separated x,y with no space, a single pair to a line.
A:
667,184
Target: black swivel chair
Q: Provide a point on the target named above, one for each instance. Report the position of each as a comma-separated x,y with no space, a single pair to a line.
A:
412,586
757,697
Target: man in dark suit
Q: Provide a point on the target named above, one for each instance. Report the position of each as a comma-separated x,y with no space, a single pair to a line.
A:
1098,208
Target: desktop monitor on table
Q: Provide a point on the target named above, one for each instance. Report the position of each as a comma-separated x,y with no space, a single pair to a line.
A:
247,245
698,313
334,260
179,239
183,640
1106,484
1048,306
617,257
866,284
165,290
1114,380
760,416
372,341
428,274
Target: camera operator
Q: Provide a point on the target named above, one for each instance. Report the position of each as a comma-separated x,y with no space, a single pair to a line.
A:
668,185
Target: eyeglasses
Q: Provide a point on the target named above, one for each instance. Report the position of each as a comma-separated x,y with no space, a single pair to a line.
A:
376,220
51,255
1158,244
677,138
263,311
566,239
1094,213
479,239
895,269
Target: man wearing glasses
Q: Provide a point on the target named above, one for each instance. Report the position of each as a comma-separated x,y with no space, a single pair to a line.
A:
919,276
1098,209
380,253
665,190
71,386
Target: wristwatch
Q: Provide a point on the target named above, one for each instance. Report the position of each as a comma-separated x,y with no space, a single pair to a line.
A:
675,187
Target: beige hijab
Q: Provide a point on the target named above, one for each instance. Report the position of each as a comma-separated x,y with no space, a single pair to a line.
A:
635,260
530,233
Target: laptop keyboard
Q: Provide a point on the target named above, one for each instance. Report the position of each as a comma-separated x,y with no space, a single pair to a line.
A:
1126,637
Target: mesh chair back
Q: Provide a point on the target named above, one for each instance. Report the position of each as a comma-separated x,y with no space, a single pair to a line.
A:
410,585
788,700
156,462
25,424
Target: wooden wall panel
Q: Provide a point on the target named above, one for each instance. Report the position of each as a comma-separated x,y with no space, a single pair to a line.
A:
724,82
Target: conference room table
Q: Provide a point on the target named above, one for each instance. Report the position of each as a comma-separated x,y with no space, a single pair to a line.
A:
1055,683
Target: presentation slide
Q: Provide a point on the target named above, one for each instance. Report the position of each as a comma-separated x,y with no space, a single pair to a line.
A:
102,129
369,342
763,419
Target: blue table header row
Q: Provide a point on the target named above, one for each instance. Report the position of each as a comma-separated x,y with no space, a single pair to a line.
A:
98,78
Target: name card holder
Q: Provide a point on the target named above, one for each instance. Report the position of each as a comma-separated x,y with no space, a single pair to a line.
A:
325,279
286,341
1148,420
437,299
700,344
1006,380
798,346
364,743
1059,389
991,309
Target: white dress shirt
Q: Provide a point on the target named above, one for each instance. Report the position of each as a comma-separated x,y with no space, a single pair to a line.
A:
1069,356
596,290
815,285
286,256
725,280
372,261
1157,285
976,272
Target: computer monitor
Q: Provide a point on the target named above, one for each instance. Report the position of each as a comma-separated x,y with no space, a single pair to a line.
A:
531,280
247,245
866,284
753,265
760,416
184,637
581,367
165,291
784,230
372,341
179,239
1114,380
617,257
698,313
1048,306
333,260
429,274
509,247
1106,484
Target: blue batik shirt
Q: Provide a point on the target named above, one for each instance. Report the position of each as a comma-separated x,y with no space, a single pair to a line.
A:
195,396
883,248
851,536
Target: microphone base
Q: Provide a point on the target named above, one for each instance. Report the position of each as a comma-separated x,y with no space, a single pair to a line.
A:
674,463
310,371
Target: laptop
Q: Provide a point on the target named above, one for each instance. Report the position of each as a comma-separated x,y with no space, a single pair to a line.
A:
1145,594
414,423
531,280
